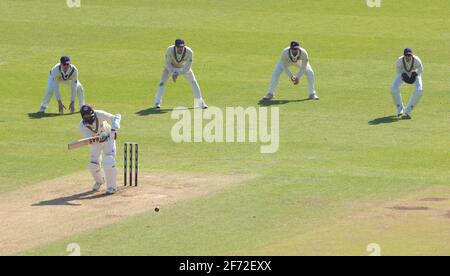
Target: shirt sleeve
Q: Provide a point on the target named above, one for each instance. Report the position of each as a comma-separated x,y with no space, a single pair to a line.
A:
114,120
74,85
168,61
285,65
188,65
84,131
420,68
54,75
399,68
305,60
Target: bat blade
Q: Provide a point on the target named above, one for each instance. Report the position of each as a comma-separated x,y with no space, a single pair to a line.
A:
82,142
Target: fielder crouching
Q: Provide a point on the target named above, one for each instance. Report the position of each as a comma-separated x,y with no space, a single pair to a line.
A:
409,70
179,59
66,73
103,125
296,56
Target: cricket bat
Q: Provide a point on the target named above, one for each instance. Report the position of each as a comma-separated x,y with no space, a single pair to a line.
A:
83,142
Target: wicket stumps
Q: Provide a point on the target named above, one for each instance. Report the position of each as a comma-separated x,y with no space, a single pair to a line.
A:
128,163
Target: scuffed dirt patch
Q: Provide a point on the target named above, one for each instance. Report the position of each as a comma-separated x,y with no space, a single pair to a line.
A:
64,207
410,208
403,226
434,199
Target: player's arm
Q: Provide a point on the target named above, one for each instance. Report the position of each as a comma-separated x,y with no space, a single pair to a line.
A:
168,62
73,88
85,132
114,120
89,138
169,66
398,67
54,75
285,66
188,65
74,85
302,70
420,69
305,60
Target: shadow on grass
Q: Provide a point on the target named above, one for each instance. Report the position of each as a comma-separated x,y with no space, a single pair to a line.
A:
156,111
67,200
40,115
280,102
384,120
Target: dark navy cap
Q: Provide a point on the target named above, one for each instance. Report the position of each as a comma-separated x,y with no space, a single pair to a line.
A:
295,44
408,52
65,60
179,42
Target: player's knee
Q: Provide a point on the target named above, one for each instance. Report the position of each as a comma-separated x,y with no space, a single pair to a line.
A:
394,91
109,161
419,92
94,166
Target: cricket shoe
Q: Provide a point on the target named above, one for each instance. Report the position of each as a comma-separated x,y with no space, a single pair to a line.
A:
408,112
314,97
204,106
268,97
157,105
96,187
111,191
42,109
399,111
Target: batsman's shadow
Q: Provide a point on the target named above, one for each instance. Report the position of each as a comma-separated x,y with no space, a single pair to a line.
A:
384,120
40,115
280,102
155,111
66,201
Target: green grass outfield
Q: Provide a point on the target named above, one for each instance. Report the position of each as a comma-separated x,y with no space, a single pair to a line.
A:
330,153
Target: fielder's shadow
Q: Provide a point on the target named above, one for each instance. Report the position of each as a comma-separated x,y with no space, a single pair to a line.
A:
66,201
40,115
280,102
155,111
384,120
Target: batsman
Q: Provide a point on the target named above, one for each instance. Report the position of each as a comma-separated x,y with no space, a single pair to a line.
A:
103,125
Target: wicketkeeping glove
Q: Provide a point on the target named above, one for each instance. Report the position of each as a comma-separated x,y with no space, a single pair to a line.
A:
408,79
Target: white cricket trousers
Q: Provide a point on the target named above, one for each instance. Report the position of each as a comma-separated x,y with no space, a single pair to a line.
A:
50,91
109,171
189,75
279,70
397,97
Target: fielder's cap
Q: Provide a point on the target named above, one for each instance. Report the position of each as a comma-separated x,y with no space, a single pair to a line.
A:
179,42
65,60
408,52
295,44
